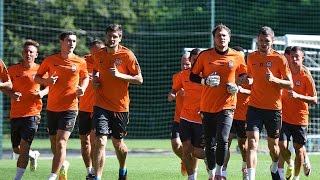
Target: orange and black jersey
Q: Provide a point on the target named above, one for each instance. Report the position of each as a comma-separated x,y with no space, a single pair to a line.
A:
23,81
265,94
295,111
112,93
226,65
192,95
62,95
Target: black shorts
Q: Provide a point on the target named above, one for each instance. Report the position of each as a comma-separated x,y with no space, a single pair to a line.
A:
192,131
64,120
297,132
239,128
110,123
215,123
271,119
23,128
175,130
85,122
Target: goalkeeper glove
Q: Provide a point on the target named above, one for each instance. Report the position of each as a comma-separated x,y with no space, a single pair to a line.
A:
213,80
232,88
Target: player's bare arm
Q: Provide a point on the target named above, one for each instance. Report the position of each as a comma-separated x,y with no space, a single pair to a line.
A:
6,85
307,99
46,81
136,79
84,82
243,90
172,95
12,94
42,92
286,82
95,79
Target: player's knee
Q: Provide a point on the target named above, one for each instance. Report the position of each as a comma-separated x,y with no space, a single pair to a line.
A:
175,143
273,148
198,153
121,147
176,147
299,150
100,141
85,142
186,151
282,146
16,150
243,147
252,144
61,144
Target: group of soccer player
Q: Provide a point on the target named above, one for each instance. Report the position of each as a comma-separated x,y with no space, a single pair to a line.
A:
218,94
93,89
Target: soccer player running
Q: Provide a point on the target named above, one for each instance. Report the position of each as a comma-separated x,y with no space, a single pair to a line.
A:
270,73
68,79
281,161
190,127
295,112
115,67
26,105
176,143
85,116
239,125
218,67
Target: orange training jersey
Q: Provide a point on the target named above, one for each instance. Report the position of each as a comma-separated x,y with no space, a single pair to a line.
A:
215,99
179,101
264,94
86,101
113,94
242,105
62,95
192,95
4,76
295,111
23,81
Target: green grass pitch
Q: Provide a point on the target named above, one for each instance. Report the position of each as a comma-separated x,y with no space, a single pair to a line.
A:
155,166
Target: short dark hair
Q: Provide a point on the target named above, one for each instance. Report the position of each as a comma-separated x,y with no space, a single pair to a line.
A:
114,27
296,48
288,50
266,30
65,34
30,42
195,51
95,42
220,27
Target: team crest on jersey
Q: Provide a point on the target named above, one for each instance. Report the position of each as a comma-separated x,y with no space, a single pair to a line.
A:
73,67
231,64
117,62
269,64
298,83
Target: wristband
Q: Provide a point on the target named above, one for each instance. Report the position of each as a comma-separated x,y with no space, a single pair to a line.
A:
203,81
